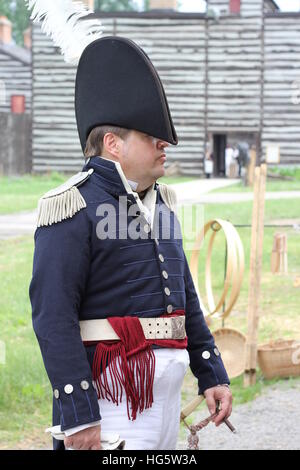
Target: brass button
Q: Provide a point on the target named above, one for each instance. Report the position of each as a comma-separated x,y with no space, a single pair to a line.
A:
167,291
84,385
161,258
170,308
68,389
56,393
217,352
165,274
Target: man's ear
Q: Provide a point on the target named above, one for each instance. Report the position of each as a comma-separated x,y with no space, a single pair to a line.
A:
112,144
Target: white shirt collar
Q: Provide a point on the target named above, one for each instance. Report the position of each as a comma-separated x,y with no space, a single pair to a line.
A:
147,206
133,185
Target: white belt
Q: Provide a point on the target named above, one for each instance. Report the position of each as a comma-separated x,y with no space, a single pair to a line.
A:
154,328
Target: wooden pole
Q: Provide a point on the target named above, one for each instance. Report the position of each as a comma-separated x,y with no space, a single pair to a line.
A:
279,254
251,167
283,268
255,273
275,254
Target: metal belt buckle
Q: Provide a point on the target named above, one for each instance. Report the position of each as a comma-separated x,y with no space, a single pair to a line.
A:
178,327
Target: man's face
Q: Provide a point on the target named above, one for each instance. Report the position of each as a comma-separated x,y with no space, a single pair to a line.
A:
142,157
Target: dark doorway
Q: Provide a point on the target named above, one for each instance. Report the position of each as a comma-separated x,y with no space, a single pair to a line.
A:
219,154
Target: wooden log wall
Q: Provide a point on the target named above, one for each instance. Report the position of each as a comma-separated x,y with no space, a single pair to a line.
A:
234,78
15,79
176,47
234,69
281,105
237,75
55,143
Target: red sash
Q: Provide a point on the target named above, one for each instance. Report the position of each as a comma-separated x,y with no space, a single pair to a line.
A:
131,364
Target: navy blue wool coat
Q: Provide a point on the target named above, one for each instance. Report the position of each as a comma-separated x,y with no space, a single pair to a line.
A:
78,276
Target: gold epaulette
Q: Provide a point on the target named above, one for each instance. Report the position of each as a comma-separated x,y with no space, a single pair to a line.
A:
62,202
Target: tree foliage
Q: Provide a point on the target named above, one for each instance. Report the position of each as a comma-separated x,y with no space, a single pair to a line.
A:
115,5
17,12
121,5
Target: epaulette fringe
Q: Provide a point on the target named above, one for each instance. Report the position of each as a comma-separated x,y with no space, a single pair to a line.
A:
59,207
169,196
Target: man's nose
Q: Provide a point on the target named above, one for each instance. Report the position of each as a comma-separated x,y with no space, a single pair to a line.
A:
162,144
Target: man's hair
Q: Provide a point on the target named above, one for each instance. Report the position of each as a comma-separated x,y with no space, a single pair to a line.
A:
94,143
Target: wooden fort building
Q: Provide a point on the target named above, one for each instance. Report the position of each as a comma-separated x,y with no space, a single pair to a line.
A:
231,74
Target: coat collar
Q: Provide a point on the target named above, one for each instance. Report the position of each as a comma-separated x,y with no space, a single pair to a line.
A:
111,175
107,174
114,181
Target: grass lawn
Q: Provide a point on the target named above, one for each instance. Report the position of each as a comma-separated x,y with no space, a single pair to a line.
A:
22,193
25,393
279,305
25,397
272,184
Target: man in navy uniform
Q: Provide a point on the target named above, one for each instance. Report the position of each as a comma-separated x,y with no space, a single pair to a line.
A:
114,306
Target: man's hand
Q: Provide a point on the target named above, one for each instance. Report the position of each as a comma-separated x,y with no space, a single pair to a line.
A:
222,394
88,439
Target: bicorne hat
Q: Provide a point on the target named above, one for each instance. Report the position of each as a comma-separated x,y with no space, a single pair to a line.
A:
117,84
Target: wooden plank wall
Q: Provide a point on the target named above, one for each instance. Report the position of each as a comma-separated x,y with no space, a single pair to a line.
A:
282,86
252,79
234,70
176,47
55,143
15,79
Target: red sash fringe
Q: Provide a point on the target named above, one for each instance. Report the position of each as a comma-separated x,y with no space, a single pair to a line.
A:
131,364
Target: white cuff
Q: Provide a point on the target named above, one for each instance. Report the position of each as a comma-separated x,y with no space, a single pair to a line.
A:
71,431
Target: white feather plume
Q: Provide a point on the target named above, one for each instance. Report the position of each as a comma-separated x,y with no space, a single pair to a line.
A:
61,19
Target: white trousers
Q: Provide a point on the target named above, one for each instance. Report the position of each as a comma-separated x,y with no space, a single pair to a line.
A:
158,426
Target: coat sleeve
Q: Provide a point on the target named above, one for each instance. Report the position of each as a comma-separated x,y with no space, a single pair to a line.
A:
205,358
60,273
